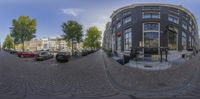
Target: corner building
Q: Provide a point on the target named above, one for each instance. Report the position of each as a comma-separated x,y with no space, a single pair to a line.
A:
153,25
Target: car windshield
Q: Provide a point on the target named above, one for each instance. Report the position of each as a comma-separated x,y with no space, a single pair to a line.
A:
99,49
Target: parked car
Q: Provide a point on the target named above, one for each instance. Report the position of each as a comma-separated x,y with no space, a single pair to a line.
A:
13,52
25,54
43,55
84,52
62,57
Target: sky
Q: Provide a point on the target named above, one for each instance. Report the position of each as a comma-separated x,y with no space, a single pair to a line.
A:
50,14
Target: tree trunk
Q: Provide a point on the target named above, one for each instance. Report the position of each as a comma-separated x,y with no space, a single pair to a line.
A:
72,48
23,47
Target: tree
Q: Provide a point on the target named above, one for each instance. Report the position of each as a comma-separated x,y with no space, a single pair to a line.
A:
93,37
23,29
8,43
72,32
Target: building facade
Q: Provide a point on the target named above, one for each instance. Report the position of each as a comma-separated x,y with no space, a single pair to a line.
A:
51,44
107,37
153,25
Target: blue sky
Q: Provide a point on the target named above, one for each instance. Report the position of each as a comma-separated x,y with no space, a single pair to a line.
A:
50,14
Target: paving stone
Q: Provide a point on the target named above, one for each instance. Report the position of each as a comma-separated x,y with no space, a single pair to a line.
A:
81,78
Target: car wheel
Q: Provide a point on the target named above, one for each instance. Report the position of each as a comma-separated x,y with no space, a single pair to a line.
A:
22,56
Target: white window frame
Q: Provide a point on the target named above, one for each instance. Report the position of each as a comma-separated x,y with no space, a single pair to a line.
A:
119,24
143,31
129,39
173,16
184,25
127,19
185,37
150,13
119,41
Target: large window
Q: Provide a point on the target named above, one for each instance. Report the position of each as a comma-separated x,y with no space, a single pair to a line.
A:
184,25
190,22
184,40
190,42
119,43
113,42
172,40
151,35
190,29
173,19
118,24
151,26
174,11
150,39
126,20
114,29
126,13
153,15
127,39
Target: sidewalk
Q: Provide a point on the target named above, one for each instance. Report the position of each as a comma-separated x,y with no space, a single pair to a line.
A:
144,83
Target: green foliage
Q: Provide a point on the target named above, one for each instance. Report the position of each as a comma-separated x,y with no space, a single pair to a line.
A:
23,29
72,32
93,38
8,43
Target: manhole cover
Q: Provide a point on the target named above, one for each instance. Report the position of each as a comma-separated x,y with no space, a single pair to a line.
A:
147,66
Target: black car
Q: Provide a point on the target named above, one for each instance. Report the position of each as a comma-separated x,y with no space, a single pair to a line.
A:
62,57
13,52
84,52
43,55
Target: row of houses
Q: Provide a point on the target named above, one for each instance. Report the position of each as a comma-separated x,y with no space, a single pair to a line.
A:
52,44
107,37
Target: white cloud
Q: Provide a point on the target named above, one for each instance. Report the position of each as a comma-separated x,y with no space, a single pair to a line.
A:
72,11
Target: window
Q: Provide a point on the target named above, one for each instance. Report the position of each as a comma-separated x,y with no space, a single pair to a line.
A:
190,28
150,39
172,40
151,8
114,29
151,34
174,11
184,41
184,25
127,39
184,34
190,22
190,42
151,15
173,19
151,26
126,13
118,25
119,43
126,20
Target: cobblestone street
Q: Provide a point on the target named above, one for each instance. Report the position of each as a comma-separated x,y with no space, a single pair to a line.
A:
94,76
82,78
